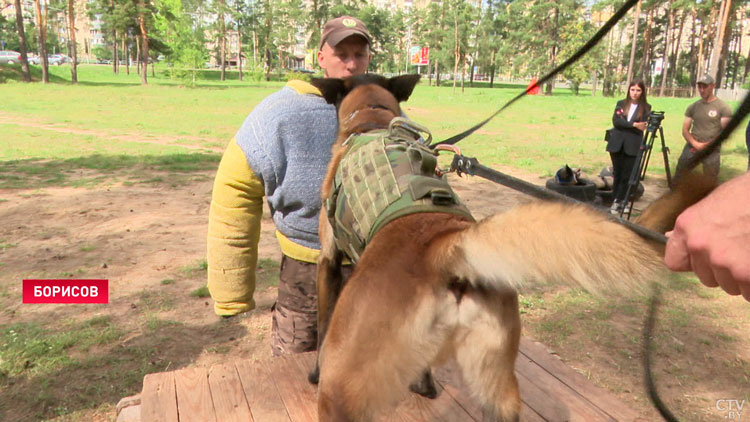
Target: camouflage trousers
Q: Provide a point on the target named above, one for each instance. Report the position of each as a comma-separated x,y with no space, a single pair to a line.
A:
711,163
295,313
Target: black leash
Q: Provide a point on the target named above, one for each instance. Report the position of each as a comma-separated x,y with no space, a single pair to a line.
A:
471,166
648,330
574,58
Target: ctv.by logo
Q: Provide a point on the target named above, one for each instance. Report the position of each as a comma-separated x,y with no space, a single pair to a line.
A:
732,407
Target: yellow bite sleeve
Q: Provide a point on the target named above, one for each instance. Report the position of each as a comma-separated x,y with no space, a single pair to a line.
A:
233,233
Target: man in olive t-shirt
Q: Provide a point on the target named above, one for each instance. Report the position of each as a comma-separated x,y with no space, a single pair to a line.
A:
704,120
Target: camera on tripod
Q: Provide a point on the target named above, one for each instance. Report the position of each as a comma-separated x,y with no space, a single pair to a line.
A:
643,156
654,120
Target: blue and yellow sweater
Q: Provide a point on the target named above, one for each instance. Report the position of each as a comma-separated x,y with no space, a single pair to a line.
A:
281,152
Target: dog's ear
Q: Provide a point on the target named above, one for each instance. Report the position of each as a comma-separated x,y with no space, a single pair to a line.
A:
402,86
333,89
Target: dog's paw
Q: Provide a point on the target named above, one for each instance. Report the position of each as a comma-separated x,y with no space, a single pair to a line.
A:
425,387
314,376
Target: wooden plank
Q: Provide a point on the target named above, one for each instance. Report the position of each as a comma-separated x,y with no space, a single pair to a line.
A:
229,399
543,404
416,408
605,401
260,392
158,398
290,374
194,402
581,409
300,396
449,377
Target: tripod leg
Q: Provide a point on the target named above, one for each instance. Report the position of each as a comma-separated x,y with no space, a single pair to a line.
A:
635,176
665,153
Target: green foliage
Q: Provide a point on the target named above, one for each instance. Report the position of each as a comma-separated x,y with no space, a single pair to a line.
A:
290,76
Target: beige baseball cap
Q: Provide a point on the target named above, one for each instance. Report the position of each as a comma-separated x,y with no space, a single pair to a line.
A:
705,80
335,30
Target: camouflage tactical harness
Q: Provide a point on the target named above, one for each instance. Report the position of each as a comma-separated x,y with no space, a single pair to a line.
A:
384,175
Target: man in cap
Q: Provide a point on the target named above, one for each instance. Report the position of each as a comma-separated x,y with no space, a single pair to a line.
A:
704,120
281,152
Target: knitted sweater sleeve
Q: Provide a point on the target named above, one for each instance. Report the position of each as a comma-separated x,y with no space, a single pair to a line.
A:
233,233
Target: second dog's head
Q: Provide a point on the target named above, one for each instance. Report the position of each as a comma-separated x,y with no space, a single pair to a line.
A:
366,102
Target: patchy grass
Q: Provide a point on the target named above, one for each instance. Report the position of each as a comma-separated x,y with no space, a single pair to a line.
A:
267,273
30,349
200,292
195,270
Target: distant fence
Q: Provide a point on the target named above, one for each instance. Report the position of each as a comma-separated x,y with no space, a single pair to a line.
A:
736,94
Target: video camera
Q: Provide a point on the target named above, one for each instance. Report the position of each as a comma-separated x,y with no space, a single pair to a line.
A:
654,120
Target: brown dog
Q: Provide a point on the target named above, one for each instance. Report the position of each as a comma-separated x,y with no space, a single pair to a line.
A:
433,286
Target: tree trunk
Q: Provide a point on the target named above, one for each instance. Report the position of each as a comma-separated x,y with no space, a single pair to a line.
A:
456,50
667,47
138,55
73,46
115,56
553,53
676,49
724,55
144,43
718,47
631,64
437,72
222,41
41,24
593,88
471,72
737,50
705,34
619,68
429,73
492,69
463,74
255,48
747,67
607,64
646,62
126,52
22,43
239,49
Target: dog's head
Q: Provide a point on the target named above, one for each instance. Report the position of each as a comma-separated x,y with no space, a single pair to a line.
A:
567,175
366,102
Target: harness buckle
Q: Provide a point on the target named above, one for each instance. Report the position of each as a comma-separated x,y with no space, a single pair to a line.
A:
412,127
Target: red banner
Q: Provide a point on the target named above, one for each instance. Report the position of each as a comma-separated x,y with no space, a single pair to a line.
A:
66,291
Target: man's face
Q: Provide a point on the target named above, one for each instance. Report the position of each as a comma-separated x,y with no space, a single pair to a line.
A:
350,57
706,91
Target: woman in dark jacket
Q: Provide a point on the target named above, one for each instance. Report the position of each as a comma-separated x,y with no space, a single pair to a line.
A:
629,119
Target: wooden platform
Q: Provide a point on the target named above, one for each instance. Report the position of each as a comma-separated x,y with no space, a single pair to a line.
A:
276,389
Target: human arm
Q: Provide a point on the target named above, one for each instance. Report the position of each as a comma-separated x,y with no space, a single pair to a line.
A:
233,233
686,125
712,238
620,119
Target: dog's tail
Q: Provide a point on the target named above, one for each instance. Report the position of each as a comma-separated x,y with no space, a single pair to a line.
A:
547,242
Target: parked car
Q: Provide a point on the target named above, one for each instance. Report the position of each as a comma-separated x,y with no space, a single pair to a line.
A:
34,60
58,59
10,57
